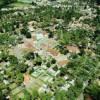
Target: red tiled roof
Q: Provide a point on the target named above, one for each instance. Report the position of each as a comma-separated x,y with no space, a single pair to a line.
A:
53,51
63,62
73,49
26,79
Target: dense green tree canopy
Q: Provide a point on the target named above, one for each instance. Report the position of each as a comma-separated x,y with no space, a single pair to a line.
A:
5,2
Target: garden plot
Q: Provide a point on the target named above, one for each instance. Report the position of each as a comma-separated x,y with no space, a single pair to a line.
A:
16,90
38,72
46,78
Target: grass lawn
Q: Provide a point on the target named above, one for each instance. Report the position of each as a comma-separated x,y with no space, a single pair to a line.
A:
19,5
25,1
16,90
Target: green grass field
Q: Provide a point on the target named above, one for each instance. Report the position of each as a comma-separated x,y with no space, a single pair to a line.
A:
25,1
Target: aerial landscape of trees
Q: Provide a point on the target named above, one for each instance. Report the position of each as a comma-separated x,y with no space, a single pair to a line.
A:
29,70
